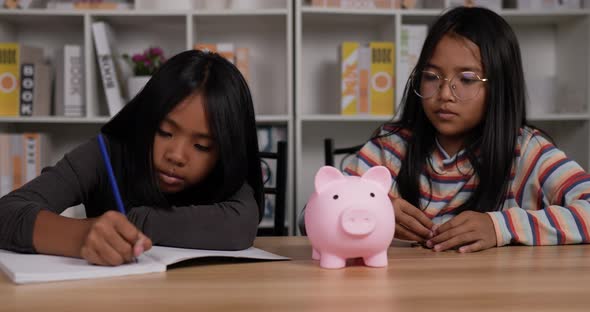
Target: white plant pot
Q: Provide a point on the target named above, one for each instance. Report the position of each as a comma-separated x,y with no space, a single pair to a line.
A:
135,84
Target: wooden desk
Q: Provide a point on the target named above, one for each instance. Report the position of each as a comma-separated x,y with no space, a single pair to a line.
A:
554,278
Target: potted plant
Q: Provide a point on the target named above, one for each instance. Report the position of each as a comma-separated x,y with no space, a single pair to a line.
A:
143,65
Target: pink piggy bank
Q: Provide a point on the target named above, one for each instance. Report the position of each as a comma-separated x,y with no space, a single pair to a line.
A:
350,217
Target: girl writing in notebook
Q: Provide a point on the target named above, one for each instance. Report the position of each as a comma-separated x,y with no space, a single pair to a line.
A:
469,172
184,154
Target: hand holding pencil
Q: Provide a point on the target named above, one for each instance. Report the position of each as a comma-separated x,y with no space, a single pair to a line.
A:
112,239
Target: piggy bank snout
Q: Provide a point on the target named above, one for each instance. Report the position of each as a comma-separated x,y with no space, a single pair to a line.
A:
358,221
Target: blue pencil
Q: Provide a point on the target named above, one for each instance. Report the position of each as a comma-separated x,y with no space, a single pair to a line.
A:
112,180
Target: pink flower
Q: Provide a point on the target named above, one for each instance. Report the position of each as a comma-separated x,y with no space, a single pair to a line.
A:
138,58
155,51
146,62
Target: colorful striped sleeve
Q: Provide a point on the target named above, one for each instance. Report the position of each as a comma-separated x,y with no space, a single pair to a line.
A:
552,195
368,156
387,151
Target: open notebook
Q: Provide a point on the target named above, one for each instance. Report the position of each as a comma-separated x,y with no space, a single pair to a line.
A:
28,268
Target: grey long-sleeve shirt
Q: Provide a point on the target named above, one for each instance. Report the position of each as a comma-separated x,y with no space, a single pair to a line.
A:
81,178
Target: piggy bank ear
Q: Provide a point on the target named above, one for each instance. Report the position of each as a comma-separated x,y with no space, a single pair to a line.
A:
325,176
379,175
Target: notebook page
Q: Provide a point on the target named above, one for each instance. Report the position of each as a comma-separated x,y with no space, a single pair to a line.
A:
171,255
32,268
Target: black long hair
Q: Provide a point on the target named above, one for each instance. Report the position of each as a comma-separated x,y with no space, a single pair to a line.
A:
228,104
496,136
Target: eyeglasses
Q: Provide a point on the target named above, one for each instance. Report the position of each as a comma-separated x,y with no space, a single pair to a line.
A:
464,85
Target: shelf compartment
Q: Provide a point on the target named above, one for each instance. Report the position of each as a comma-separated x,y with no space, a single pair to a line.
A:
321,37
266,39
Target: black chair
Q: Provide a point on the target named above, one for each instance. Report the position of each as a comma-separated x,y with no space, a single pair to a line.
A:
330,151
279,190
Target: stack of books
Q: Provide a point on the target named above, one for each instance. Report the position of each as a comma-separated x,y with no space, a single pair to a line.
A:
367,78
22,156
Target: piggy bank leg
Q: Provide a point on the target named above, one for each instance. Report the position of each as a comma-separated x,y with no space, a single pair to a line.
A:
315,255
329,261
377,260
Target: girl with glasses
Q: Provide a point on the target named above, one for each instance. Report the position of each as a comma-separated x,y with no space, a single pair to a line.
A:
469,172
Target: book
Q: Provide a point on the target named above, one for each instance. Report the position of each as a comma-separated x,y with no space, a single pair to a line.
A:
381,81
27,88
35,150
243,62
412,39
17,4
34,82
6,172
35,268
22,156
364,69
35,89
9,79
349,58
408,4
89,5
16,161
69,82
12,56
102,5
367,78
108,66
356,4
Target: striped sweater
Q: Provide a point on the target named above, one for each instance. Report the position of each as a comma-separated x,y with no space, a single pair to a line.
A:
547,201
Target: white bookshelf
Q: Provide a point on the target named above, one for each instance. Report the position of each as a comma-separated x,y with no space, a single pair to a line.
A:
267,32
553,43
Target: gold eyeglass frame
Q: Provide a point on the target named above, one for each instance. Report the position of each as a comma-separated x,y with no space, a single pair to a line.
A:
452,86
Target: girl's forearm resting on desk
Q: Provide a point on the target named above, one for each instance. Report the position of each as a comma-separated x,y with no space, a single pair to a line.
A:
57,235
551,206
228,225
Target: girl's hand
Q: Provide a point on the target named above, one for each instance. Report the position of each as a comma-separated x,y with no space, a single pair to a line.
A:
472,231
410,222
113,240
